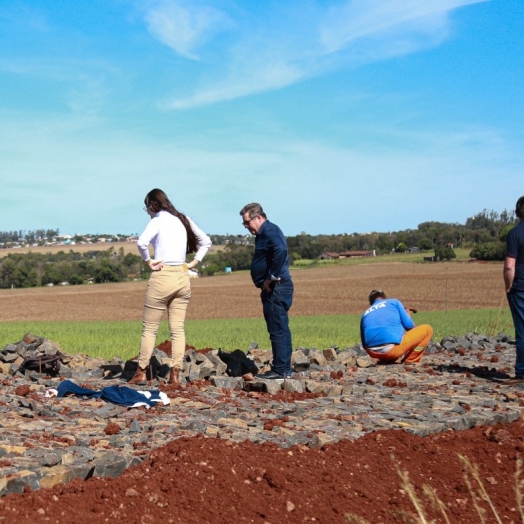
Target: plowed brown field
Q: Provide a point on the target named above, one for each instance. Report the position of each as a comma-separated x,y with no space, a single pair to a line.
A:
329,290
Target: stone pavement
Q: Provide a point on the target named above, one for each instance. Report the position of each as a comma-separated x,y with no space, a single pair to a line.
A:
334,394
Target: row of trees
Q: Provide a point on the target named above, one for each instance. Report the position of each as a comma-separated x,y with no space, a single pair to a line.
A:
484,227
31,237
35,269
44,237
485,233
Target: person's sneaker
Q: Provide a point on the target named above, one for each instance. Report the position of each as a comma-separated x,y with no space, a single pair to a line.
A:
270,375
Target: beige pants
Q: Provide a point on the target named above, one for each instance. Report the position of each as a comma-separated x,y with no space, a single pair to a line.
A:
168,288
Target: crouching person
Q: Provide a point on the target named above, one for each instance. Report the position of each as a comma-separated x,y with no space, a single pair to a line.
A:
389,333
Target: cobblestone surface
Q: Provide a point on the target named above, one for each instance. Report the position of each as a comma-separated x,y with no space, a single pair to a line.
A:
334,394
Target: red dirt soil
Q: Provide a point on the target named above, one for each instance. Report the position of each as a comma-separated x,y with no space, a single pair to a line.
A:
201,480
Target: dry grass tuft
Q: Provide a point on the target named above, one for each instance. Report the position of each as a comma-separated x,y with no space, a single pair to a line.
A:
477,491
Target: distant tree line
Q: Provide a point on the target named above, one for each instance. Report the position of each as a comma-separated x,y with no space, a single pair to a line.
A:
36,269
485,233
44,237
30,237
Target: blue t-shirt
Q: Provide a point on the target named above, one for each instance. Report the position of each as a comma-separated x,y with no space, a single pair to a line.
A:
271,259
515,249
385,322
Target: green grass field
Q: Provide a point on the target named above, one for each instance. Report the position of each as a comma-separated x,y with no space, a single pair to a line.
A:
110,339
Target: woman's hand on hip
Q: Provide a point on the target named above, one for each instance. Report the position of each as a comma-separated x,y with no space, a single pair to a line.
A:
155,265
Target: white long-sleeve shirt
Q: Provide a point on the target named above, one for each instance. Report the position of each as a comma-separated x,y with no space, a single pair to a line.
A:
168,236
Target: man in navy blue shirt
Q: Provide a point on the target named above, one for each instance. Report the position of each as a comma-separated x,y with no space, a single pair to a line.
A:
270,273
514,283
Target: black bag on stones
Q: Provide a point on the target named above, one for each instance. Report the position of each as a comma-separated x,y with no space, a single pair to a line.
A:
47,364
237,363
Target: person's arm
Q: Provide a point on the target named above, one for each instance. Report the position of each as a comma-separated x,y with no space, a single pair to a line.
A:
405,318
143,245
204,243
509,272
276,243
362,332
279,254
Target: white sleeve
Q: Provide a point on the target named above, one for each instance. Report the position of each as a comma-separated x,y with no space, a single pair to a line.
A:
204,242
145,239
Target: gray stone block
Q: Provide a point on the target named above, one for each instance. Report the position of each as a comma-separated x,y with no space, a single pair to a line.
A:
347,358
44,457
273,386
110,465
18,482
193,373
330,354
227,382
206,370
293,386
135,426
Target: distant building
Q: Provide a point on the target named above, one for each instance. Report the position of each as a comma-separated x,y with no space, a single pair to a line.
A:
349,254
329,256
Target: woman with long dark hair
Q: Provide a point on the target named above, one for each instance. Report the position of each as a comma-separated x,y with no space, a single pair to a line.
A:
172,235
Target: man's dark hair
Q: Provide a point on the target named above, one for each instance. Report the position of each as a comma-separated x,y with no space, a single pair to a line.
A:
253,209
376,293
519,208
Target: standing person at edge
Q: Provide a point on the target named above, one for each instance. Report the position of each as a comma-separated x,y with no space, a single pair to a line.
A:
388,331
270,273
514,283
173,235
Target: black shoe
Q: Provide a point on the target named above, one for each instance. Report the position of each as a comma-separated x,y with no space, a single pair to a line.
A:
270,375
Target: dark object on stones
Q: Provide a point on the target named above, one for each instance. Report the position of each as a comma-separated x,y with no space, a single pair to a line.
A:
154,370
48,365
238,363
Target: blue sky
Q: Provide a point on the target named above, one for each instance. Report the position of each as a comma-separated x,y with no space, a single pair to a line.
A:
337,116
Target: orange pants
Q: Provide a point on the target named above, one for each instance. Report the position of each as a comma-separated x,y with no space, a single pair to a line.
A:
412,347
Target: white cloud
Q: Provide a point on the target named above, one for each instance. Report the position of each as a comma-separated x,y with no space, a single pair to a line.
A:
184,26
268,76
386,20
279,46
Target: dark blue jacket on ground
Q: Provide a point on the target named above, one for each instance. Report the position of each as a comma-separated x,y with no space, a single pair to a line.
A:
121,395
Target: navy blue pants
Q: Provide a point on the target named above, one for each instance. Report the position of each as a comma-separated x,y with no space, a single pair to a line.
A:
276,304
516,305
